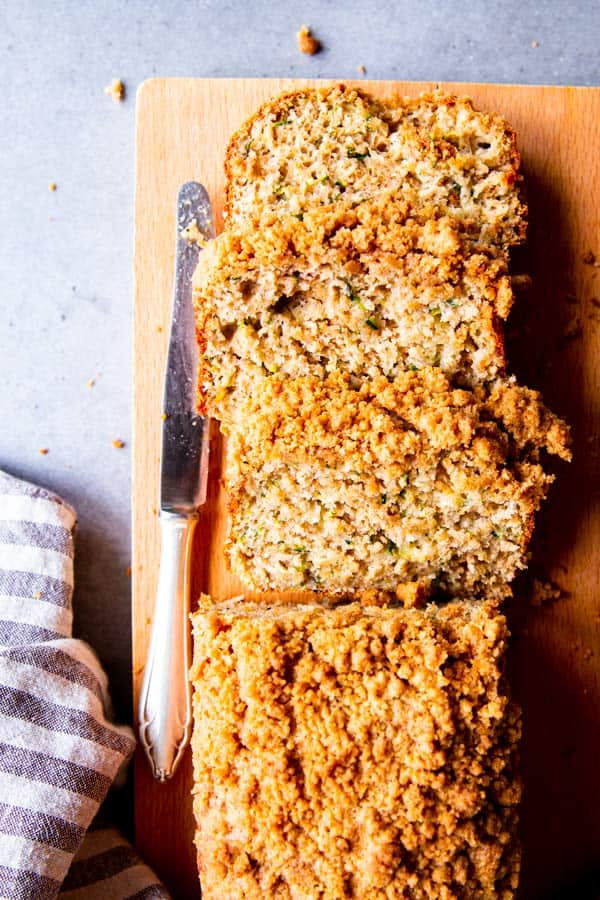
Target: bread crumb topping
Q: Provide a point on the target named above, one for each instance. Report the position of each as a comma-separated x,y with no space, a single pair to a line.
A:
353,752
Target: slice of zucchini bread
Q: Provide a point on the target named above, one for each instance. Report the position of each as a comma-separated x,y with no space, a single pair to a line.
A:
339,145
353,752
365,291
338,488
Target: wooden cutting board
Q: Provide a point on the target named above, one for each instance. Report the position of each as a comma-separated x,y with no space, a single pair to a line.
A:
554,344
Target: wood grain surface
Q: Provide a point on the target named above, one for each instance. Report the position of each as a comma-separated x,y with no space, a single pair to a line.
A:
554,345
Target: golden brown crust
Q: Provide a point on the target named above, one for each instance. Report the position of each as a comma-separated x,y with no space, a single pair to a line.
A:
531,424
353,753
309,414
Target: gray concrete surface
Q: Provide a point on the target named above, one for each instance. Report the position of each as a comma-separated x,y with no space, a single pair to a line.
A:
66,256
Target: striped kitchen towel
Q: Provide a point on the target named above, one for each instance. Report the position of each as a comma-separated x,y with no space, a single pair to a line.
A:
59,751
106,866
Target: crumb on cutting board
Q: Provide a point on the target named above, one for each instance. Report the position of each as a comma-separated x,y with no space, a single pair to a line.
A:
520,283
115,90
572,330
544,592
307,42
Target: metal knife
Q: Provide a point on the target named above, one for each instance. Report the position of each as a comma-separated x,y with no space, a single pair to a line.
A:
165,713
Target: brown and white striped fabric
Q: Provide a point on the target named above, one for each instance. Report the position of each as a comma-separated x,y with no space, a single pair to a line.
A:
106,866
59,752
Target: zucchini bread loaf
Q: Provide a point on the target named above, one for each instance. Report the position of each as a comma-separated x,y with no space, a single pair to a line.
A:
365,291
350,328
338,145
353,752
337,488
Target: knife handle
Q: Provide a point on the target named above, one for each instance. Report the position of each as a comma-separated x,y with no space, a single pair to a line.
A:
165,708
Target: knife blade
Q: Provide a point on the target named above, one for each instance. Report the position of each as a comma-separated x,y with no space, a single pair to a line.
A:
183,475
164,710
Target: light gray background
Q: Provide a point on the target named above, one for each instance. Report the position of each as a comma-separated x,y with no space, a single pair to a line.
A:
66,256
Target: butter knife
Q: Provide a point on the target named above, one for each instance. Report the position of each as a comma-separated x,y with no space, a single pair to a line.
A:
165,713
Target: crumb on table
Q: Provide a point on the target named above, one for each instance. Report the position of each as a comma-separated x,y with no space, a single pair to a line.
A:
118,444
43,451
116,90
361,69
52,186
307,42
